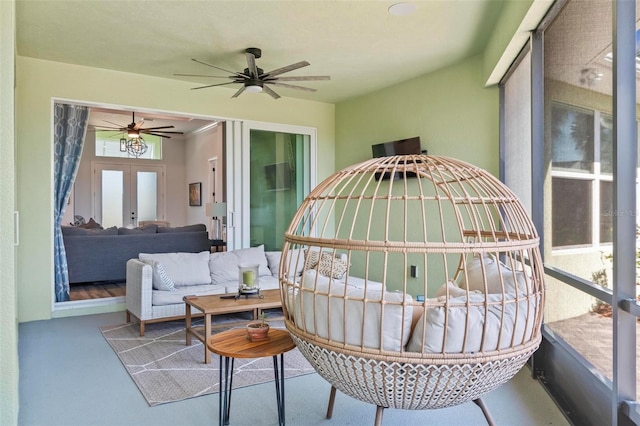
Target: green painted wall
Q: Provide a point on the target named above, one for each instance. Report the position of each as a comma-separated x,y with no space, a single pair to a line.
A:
8,294
450,110
39,82
506,30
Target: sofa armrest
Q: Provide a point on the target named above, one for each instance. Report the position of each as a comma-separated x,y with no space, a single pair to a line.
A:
139,289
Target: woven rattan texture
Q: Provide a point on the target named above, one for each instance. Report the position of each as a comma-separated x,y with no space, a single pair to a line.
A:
479,269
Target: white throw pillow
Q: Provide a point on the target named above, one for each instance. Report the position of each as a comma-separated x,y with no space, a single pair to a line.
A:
497,274
501,327
183,268
253,256
273,260
223,266
160,281
361,326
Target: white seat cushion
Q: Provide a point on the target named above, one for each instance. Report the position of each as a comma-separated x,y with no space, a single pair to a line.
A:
268,282
159,297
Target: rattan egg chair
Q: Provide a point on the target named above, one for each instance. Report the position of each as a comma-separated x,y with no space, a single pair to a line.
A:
413,282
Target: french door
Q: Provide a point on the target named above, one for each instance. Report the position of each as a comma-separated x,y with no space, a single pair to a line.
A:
270,170
126,194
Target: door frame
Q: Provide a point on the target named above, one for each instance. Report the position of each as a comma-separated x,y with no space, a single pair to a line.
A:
237,166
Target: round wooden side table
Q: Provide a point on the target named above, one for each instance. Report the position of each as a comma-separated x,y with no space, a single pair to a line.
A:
233,344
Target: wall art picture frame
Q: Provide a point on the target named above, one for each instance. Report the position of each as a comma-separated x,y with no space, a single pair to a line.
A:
195,194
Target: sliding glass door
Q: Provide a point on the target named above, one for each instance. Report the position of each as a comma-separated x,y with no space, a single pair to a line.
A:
276,172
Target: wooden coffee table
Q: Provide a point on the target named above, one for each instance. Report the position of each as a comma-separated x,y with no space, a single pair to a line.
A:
232,344
215,305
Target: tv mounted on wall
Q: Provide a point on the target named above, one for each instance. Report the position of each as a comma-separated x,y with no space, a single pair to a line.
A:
399,147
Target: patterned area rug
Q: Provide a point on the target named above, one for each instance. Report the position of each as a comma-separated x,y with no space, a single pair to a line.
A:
166,370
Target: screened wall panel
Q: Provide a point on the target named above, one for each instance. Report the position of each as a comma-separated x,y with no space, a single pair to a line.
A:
517,131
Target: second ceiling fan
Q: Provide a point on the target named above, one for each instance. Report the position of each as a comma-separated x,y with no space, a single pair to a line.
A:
134,129
254,79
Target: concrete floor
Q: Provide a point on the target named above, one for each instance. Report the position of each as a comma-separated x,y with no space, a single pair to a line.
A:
70,376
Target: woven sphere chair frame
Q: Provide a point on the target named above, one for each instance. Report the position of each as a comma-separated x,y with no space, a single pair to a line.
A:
413,282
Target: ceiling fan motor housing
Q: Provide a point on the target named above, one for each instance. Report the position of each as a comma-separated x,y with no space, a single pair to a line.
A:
256,52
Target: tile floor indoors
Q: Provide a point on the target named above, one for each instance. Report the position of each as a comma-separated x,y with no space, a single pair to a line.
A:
70,376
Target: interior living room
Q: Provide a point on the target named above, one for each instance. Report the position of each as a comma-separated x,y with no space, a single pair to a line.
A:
276,97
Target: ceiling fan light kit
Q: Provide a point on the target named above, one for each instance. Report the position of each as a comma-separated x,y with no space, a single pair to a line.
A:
254,86
255,80
135,147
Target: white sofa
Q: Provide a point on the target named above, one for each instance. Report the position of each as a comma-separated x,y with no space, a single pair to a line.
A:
157,283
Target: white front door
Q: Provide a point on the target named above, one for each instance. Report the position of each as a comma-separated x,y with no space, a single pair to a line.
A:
126,194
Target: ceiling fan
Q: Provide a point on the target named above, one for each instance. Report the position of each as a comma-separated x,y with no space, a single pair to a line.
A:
134,130
254,79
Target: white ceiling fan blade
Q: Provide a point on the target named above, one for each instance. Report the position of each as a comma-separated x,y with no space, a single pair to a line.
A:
221,69
291,86
270,92
305,78
288,68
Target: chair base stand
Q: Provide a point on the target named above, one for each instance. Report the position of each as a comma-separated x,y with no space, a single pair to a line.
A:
380,410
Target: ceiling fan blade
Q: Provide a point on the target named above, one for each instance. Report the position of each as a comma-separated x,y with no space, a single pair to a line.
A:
120,126
285,69
213,85
138,124
160,131
251,61
159,127
291,86
270,92
221,69
108,127
304,78
239,92
157,134
200,75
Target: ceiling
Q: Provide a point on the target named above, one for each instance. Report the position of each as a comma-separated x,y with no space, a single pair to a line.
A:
358,43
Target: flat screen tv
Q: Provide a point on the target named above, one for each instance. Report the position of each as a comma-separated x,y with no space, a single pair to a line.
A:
399,147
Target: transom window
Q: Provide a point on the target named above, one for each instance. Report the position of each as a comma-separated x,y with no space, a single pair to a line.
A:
108,145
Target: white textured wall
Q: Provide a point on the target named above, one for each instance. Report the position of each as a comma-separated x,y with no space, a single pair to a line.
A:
199,148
